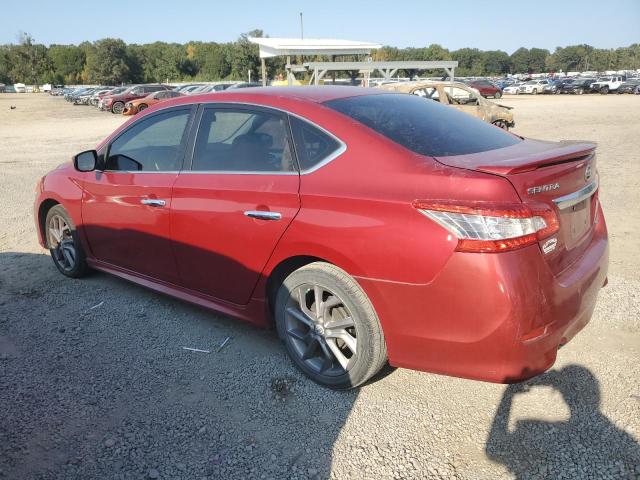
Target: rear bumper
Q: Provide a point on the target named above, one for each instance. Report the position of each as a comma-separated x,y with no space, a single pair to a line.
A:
493,317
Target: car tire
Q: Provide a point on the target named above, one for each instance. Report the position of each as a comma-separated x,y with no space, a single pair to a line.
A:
579,91
340,345
64,244
117,108
534,91
497,95
604,90
142,107
501,124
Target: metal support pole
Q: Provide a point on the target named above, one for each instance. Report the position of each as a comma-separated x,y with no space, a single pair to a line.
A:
289,82
264,72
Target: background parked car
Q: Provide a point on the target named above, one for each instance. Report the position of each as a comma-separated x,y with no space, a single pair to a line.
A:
459,96
136,106
630,86
578,86
533,87
513,89
486,88
553,87
115,91
116,103
605,85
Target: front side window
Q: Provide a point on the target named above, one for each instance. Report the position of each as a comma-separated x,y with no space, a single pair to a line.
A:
154,144
427,128
460,96
242,140
427,92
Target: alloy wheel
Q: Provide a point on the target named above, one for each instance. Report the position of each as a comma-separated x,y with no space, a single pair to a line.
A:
321,329
61,243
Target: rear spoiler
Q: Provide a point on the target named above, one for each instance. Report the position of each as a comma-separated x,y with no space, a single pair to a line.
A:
563,152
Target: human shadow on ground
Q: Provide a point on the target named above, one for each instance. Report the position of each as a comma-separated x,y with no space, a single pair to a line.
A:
587,445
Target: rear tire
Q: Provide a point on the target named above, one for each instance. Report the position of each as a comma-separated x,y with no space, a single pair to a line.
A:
501,124
64,244
497,95
340,343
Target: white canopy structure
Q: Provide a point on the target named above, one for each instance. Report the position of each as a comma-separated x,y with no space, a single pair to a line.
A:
276,47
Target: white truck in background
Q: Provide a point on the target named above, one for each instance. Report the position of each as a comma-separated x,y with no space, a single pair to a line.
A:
608,84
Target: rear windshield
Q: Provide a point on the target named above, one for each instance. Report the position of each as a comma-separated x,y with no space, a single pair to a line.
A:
424,126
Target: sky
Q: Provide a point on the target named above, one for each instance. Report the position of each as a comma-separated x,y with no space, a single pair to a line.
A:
488,25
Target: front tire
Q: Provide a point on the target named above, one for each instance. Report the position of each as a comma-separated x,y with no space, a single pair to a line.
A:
117,108
501,124
329,327
64,244
535,91
141,107
604,90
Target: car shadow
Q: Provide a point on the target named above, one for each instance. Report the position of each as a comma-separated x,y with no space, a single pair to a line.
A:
95,384
587,445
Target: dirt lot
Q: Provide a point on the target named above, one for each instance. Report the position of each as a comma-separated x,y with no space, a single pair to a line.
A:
94,382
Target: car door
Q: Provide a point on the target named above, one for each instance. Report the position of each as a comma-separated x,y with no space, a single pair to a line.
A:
463,100
126,205
233,205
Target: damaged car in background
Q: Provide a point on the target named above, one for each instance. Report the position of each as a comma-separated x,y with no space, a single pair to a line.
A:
459,96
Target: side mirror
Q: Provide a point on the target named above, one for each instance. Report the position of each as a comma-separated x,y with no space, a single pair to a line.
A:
86,161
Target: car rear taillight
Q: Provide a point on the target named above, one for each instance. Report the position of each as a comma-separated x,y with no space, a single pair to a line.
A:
489,226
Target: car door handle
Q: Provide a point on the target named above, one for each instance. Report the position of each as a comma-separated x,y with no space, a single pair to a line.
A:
153,202
262,215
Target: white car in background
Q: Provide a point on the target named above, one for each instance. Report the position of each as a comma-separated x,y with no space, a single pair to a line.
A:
20,87
512,89
533,87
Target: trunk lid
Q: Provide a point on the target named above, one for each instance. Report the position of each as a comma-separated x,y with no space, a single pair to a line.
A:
562,175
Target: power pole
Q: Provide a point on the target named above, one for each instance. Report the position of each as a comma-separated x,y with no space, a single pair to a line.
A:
301,28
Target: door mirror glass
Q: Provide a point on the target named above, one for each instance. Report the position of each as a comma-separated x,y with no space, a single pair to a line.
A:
86,161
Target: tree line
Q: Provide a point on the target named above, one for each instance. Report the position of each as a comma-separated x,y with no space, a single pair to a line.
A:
111,61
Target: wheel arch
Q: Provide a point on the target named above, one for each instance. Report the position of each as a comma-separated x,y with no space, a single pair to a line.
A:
280,272
46,205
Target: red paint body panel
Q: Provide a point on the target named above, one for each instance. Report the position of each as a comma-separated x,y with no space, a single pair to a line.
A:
220,251
496,316
120,230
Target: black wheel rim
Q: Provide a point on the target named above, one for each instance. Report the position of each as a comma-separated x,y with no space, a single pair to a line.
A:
320,330
61,243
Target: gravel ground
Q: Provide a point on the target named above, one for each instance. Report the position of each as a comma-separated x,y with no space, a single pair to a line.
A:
94,382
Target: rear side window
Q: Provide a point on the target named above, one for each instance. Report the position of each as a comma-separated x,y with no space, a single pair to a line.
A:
425,127
242,140
312,144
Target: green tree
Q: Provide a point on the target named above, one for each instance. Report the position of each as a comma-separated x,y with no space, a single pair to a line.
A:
67,62
107,62
244,56
496,62
28,62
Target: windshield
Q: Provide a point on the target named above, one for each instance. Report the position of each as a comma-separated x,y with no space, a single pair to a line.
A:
423,126
531,82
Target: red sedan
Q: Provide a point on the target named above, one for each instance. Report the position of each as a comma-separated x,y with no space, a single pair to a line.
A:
370,227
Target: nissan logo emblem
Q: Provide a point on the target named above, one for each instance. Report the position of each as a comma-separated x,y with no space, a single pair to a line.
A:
587,172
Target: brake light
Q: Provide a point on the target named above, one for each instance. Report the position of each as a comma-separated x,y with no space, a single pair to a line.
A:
490,226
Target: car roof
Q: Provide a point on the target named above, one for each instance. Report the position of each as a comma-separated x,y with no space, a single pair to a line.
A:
309,94
406,87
